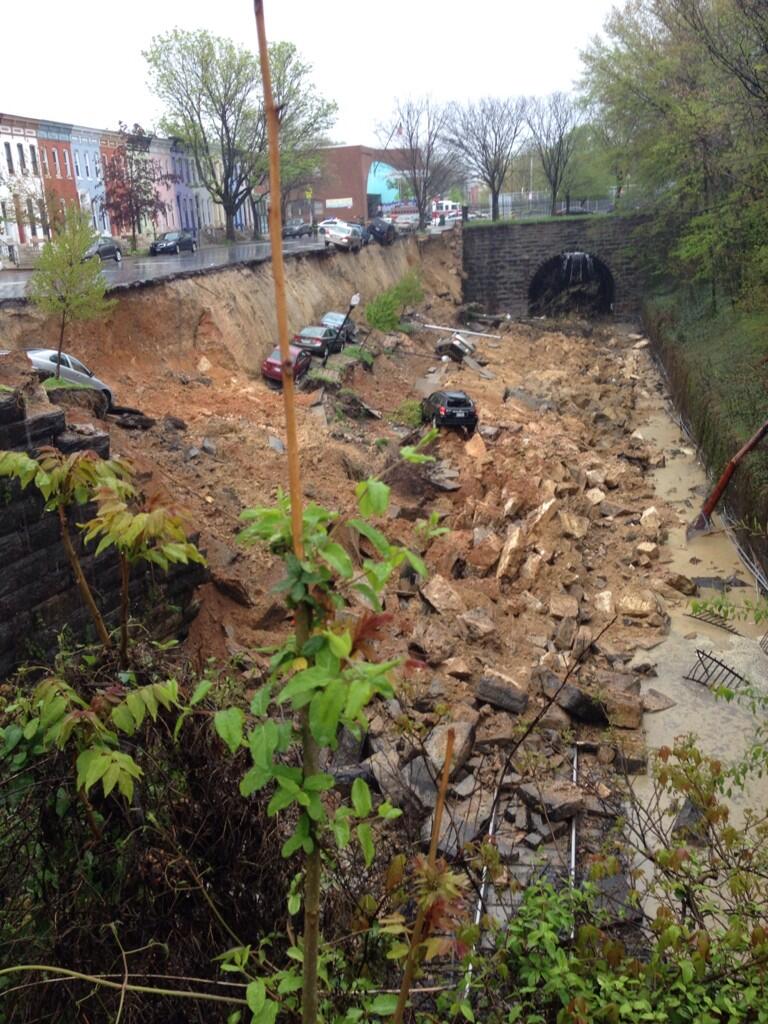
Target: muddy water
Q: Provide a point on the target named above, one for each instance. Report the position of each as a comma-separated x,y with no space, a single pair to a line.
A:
724,730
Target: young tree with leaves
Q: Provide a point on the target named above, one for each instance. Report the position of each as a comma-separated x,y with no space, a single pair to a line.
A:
553,121
418,130
213,104
487,135
65,284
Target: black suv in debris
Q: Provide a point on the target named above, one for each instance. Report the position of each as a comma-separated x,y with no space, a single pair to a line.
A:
382,231
449,409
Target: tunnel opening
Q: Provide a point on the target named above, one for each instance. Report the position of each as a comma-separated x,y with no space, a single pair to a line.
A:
573,282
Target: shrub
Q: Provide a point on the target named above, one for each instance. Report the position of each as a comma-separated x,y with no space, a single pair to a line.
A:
383,312
408,413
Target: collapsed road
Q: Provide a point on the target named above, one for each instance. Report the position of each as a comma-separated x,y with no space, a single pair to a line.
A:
564,558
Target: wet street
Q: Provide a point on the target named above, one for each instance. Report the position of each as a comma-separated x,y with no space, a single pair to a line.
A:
135,270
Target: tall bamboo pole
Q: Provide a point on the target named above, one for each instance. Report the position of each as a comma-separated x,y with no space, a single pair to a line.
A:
311,759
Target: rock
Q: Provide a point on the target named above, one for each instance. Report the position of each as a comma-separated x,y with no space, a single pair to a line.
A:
203,364
420,780
464,788
458,668
650,520
631,753
534,840
654,701
497,730
486,548
565,634
442,596
594,496
385,765
555,718
174,423
572,525
462,821
689,824
478,624
475,448
434,640
681,583
647,549
501,691
507,840
556,800
233,588
596,476
511,554
512,506
209,446
543,514
576,701
531,567
638,604
435,745
563,606
623,710
191,453
605,754
639,345
604,603
276,444
490,433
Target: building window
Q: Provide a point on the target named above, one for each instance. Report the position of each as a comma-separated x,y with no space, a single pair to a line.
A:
31,215
22,161
56,164
66,164
87,165
44,158
9,157
76,155
33,156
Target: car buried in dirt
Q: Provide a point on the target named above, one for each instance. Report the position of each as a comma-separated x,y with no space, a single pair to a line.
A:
272,367
319,340
336,320
449,409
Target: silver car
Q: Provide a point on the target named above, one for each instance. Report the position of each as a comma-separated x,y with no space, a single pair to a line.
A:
45,360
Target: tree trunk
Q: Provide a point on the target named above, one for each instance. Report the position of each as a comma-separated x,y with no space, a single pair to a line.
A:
256,219
62,328
554,202
495,204
125,610
230,224
567,202
82,582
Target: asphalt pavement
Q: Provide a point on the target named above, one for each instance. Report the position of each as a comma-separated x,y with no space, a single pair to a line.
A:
138,269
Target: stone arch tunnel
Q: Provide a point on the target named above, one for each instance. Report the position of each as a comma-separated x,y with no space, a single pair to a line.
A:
522,268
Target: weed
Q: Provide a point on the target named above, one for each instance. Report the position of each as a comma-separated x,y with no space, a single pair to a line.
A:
408,413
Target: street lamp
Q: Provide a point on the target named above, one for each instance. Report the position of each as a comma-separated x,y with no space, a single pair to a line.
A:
354,301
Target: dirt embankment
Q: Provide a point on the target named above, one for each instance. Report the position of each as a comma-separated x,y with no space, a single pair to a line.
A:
227,315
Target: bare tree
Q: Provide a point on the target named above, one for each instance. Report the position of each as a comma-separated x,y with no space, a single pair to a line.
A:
487,136
418,129
553,121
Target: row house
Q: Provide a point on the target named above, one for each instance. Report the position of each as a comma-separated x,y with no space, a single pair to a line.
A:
22,205
87,160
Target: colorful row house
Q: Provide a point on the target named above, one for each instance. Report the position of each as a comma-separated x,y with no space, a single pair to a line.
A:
45,165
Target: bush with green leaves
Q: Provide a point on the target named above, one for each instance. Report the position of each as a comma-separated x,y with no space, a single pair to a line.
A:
386,310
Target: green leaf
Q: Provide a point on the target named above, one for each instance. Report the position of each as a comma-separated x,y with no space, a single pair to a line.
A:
281,799
687,970
256,996
365,838
341,832
388,812
31,728
340,643
137,707
229,725
111,778
372,497
466,1010
376,537
290,983
123,719
416,563
361,798
201,691
303,683
383,1005
324,712
318,783
11,737
260,701
337,558
254,779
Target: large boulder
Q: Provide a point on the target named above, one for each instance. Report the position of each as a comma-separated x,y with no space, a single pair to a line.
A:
501,691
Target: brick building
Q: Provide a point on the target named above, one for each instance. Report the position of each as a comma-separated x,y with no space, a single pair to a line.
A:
353,182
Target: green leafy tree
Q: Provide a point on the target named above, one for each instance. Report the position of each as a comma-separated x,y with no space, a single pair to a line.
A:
209,87
65,284
552,121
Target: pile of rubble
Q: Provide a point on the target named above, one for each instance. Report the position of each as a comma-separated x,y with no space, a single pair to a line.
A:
546,595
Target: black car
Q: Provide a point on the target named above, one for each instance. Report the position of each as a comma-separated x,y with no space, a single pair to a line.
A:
173,242
382,231
296,229
319,340
449,409
105,248
365,233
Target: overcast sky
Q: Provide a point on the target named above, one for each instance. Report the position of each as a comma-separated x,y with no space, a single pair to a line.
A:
82,62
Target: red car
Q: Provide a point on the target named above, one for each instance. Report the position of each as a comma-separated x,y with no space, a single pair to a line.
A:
272,367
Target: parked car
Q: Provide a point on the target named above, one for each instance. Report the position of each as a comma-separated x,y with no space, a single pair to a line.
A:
344,236
335,320
319,340
105,248
449,409
173,242
272,367
405,223
366,234
45,361
382,231
296,228
327,223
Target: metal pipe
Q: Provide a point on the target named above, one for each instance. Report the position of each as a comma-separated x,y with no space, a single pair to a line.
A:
459,330
572,868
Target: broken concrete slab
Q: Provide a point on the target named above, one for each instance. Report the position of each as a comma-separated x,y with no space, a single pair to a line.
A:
556,800
654,700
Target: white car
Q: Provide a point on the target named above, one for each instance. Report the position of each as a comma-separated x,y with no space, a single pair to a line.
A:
44,361
344,236
327,223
